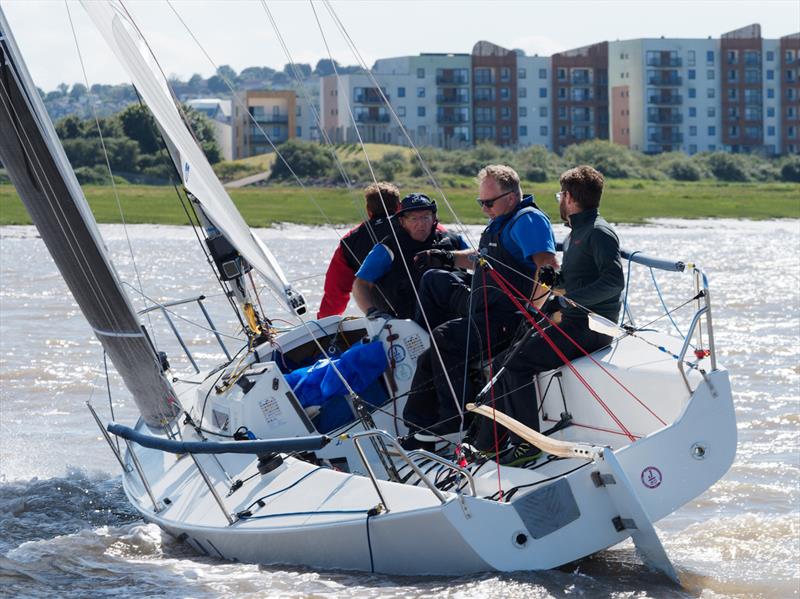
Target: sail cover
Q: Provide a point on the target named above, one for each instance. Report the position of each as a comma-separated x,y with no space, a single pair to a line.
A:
39,169
198,177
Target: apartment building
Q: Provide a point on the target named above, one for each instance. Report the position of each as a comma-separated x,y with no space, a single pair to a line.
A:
738,93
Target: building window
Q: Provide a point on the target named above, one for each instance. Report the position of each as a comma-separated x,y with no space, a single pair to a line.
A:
543,130
691,58
543,92
710,57
523,131
692,111
401,111
505,93
692,92
712,130
505,113
711,111
790,95
770,92
420,92
733,131
562,74
693,131
505,74
543,111
542,73
401,92
733,94
523,92
420,73
298,132
505,131
523,111
710,92
770,74
692,148
770,55
771,130
710,74
420,111
691,74
521,73
276,132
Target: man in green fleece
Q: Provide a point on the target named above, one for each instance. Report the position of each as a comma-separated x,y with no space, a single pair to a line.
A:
590,276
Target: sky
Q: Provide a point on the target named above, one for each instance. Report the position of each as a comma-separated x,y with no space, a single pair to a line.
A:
238,32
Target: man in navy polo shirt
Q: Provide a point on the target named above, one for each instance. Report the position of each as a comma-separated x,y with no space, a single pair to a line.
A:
517,242
385,283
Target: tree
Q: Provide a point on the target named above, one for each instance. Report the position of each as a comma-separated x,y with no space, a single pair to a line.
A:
308,160
70,127
63,88
216,84
325,67
303,69
78,91
196,83
790,171
727,167
280,79
226,72
139,125
205,133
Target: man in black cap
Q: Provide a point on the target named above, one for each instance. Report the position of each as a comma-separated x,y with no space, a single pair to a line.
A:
386,281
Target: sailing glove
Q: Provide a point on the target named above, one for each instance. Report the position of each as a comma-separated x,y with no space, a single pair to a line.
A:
434,259
548,276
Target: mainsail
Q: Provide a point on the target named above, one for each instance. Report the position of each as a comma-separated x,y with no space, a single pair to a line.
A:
197,175
39,169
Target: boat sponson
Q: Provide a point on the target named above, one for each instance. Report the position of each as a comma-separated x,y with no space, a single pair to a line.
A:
547,509
309,443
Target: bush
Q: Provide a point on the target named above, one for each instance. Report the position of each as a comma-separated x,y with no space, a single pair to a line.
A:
96,175
727,167
790,170
614,161
308,160
683,170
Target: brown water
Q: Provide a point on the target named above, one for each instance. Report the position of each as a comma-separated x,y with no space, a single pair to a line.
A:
66,529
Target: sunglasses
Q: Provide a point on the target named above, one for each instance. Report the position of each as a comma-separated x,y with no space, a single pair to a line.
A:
560,196
490,202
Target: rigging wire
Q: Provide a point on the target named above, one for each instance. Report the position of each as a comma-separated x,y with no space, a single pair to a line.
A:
427,327
108,167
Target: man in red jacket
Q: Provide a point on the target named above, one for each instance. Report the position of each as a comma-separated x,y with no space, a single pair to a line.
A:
382,200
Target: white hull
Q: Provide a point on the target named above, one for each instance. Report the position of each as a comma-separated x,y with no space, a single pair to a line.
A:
547,525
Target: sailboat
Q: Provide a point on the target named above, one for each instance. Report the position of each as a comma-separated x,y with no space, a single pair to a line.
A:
230,460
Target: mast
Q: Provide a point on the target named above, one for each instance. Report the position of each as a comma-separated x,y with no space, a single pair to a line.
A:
43,177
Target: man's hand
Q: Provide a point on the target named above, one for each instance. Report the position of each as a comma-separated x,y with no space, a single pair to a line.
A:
434,259
548,276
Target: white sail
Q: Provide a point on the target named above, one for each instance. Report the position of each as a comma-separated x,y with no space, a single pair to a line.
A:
197,175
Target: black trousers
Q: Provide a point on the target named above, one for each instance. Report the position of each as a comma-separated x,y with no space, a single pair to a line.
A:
517,392
460,341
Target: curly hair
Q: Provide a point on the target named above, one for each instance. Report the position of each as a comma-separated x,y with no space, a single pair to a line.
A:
379,194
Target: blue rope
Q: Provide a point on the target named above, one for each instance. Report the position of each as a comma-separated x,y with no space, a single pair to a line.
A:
625,309
664,305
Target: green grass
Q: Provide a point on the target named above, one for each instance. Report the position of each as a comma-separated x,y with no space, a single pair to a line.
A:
624,201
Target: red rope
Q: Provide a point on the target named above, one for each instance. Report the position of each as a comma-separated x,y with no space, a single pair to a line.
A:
585,353
491,387
499,280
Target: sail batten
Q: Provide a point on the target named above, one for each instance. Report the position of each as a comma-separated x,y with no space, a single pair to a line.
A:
197,176
40,171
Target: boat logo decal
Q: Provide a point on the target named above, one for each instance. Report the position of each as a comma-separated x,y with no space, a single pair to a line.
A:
402,372
397,353
651,477
414,345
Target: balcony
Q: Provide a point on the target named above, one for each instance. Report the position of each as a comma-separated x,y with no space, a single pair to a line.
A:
665,119
581,79
371,97
582,118
450,119
664,62
372,119
452,79
452,99
661,79
581,95
665,137
665,99
272,119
